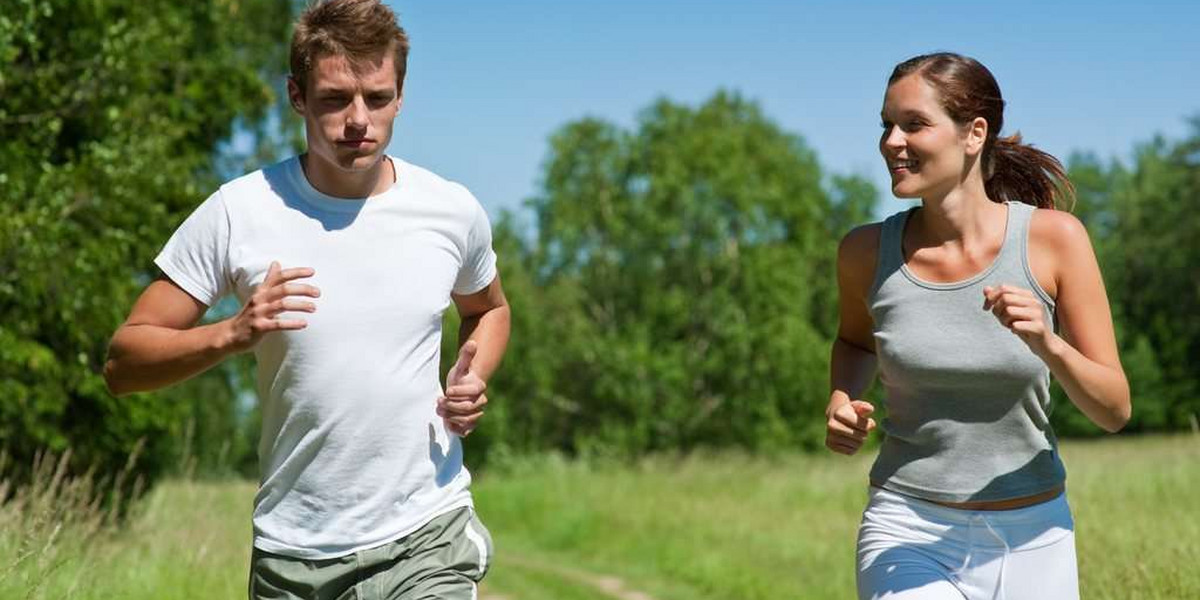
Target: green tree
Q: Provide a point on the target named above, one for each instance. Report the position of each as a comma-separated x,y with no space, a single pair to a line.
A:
679,290
1144,225
111,114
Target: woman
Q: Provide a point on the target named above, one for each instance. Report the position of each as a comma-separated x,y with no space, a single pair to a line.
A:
957,302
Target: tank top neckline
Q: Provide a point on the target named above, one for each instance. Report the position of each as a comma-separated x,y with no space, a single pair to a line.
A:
1009,233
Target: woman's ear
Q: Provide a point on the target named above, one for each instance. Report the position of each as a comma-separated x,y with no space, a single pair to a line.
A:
977,132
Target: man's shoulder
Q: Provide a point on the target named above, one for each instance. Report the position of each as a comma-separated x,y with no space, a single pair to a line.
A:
433,187
269,180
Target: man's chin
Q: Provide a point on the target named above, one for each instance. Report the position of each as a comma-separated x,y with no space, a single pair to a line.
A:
356,161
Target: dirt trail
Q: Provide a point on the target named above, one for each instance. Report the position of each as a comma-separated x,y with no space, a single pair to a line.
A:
609,585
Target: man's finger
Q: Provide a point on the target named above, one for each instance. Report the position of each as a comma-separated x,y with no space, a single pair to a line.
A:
464,421
283,290
296,273
283,325
288,304
451,407
272,273
300,289
466,355
460,431
470,388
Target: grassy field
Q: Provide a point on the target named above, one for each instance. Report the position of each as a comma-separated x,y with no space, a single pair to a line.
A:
721,526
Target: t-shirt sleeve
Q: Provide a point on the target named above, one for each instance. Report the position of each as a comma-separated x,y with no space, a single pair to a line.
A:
196,257
479,263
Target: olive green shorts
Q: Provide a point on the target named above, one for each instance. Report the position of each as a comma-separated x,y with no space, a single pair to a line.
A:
445,559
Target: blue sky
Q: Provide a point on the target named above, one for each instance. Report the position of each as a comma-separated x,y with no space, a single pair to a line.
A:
489,81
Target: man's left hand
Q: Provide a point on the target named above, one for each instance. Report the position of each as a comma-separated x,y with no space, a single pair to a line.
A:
462,405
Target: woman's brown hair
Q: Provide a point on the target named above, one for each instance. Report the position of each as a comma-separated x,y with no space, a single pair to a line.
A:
1012,170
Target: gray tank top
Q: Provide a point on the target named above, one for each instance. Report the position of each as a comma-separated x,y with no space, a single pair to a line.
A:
967,402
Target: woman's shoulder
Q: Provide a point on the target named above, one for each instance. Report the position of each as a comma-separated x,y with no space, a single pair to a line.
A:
1057,231
861,242
857,256
1058,241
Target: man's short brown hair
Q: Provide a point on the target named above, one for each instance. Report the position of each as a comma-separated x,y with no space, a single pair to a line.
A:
360,30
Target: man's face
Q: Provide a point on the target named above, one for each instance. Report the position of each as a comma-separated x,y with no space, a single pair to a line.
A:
348,116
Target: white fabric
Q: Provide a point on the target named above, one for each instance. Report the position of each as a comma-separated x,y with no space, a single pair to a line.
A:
913,549
352,453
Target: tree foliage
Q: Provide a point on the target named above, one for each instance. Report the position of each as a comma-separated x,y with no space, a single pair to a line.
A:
111,114
1144,225
678,291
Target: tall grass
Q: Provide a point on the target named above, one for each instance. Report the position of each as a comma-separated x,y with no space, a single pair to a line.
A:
52,521
732,526
705,526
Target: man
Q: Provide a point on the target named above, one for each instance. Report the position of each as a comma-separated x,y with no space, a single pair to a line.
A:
344,259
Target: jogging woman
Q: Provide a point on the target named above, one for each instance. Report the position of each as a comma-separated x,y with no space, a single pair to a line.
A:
966,305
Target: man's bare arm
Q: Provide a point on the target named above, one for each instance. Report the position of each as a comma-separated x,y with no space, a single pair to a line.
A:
160,344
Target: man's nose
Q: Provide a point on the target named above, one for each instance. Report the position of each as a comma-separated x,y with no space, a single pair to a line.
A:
356,114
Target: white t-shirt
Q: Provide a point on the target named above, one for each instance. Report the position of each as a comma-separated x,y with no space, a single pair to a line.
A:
352,453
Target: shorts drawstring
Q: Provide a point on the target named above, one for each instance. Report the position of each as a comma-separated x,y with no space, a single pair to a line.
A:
998,593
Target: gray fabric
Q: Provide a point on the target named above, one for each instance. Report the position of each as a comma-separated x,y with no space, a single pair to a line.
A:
445,559
967,403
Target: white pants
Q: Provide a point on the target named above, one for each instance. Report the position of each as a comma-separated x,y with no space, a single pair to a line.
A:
913,549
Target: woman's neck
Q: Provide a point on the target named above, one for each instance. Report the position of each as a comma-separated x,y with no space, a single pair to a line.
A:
963,214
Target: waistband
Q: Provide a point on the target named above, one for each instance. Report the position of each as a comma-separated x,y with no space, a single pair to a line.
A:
1055,510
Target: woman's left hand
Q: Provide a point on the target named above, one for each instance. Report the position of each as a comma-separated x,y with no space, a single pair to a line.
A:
1023,314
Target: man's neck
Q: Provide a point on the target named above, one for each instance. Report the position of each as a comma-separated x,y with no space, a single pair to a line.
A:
331,181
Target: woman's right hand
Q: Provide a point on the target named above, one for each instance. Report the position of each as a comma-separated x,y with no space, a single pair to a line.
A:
848,425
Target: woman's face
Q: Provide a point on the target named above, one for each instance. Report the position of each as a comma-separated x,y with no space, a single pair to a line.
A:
926,152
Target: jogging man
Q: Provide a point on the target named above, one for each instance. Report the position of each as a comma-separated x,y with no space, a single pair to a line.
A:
344,260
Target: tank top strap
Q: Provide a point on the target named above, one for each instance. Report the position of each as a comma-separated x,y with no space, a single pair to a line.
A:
1018,224
891,252
1017,239
1012,258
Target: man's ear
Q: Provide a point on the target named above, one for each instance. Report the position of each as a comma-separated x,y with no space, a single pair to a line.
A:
295,94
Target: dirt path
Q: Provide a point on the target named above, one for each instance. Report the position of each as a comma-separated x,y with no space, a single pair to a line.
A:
609,585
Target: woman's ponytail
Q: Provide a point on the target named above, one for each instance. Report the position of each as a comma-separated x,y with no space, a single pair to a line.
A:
1021,173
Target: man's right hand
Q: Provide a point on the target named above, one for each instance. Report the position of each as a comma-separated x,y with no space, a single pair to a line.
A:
848,425
276,294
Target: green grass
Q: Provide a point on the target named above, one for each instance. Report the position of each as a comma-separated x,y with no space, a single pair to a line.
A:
729,526
717,526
